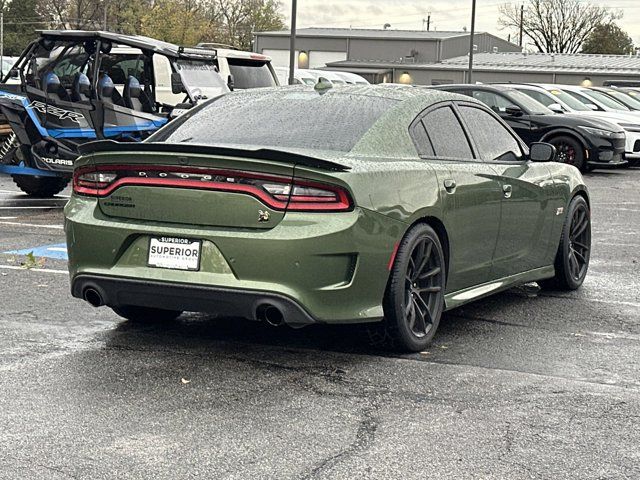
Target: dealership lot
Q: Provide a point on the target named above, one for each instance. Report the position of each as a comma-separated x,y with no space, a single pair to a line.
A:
520,385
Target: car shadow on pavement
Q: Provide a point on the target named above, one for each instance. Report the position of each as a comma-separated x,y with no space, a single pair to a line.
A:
194,331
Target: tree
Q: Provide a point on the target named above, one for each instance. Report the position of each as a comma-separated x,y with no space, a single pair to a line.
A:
21,21
608,38
179,22
234,21
556,26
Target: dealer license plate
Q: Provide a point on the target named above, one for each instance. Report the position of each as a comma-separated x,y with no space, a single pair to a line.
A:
174,253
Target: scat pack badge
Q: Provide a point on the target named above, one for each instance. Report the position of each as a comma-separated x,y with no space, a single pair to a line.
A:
263,216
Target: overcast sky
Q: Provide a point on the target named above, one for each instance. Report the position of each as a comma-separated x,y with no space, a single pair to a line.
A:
445,14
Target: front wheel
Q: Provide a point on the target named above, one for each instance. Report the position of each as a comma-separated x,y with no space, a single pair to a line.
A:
40,187
414,299
572,259
137,314
570,151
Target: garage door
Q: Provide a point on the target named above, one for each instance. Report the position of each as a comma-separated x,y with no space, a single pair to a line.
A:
279,58
320,59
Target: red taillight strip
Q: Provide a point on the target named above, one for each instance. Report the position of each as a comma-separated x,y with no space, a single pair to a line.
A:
302,203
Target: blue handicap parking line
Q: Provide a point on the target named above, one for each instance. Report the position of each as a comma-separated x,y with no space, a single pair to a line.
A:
57,251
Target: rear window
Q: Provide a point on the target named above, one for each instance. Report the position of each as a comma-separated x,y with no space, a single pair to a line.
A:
279,119
250,74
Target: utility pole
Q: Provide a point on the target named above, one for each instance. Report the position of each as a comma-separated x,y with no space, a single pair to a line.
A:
473,29
1,44
292,43
521,23
427,21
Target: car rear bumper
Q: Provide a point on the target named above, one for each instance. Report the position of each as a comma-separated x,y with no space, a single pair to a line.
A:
232,302
333,266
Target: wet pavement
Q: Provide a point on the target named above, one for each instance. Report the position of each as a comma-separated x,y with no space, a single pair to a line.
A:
520,385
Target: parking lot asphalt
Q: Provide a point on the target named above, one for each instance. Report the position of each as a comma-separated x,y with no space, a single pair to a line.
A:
524,384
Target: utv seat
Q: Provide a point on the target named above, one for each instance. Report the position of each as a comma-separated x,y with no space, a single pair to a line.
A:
54,89
81,90
135,98
107,91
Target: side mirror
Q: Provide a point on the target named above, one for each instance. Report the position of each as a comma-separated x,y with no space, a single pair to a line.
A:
176,84
556,108
231,83
592,107
13,73
542,152
513,111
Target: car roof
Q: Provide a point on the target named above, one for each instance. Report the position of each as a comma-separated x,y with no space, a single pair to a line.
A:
475,86
135,41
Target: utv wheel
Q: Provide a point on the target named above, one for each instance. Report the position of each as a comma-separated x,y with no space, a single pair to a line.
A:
570,151
146,314
572,259
40,187
414,299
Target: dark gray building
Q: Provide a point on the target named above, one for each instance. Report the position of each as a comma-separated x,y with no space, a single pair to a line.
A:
507,67
317,47
428,58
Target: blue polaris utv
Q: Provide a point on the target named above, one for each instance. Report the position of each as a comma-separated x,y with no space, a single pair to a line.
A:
71,87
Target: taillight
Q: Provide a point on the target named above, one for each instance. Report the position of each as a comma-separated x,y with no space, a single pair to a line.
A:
279,193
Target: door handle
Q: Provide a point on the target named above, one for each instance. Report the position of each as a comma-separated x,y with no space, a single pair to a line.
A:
449,185
507,190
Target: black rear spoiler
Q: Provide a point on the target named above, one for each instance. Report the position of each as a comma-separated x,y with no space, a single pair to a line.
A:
282,156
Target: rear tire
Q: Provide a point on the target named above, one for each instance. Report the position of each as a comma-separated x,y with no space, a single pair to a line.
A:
572,259
40,187
570,151
137,314
414,299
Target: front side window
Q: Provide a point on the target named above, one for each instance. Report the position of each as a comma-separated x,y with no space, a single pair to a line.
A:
446,134
539,97
492,139
495,102
572,102
605,100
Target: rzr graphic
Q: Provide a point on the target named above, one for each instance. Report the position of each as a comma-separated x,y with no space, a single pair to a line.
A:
71,87
56,112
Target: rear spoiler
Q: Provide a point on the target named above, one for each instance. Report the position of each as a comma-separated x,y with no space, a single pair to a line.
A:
282,156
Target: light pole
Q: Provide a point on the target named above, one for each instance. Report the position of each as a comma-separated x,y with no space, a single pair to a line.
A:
473,28
292,44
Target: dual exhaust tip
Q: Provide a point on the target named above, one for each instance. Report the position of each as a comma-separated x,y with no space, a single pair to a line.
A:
270,314
93,297
265,312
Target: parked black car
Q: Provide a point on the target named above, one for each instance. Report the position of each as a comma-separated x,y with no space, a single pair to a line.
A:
583,142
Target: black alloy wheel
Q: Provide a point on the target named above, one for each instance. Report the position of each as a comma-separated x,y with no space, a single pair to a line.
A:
414,300
569,151
579,242
574,251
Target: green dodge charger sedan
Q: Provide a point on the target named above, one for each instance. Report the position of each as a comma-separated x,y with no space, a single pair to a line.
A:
311,204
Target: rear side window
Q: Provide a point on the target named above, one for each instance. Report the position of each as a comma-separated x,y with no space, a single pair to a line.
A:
446,134
493,141
421,139
250,74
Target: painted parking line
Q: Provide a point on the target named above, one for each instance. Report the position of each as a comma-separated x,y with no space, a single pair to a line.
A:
56,251
45,270
35,225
